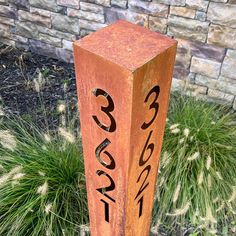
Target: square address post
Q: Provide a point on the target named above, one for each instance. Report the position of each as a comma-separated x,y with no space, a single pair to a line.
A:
124,74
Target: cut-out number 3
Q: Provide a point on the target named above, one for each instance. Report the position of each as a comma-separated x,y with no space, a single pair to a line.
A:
107,110
154,105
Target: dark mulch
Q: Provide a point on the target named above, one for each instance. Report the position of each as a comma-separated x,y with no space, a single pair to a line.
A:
19,68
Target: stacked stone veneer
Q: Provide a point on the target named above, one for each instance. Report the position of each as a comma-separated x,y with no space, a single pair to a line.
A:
206,31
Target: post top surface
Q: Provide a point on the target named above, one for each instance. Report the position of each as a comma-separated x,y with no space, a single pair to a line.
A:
126,44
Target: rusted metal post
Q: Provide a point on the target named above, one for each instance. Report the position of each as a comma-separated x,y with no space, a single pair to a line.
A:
124,74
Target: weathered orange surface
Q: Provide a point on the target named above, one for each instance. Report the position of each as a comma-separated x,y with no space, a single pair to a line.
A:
130,69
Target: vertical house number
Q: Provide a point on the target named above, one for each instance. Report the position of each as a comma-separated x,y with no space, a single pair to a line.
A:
144,158
110,164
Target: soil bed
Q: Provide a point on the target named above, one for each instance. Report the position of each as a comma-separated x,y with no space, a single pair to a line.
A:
19,71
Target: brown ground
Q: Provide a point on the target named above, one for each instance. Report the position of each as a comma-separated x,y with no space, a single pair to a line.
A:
19,68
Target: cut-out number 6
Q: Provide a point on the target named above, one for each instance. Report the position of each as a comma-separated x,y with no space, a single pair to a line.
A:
107,110
100,149
154,105
147,146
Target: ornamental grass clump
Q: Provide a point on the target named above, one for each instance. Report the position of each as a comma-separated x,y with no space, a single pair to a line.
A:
42,183
197,179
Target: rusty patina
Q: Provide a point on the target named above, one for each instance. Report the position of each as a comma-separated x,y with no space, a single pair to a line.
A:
124,74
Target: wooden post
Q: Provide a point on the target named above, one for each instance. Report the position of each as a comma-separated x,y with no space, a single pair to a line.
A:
124,74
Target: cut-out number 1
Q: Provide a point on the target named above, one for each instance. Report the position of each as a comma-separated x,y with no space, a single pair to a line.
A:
106,210
140,202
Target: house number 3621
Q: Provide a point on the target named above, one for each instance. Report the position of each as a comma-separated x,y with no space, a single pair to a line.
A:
151,98
110,163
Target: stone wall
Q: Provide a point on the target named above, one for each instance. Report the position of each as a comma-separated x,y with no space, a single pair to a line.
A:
206,31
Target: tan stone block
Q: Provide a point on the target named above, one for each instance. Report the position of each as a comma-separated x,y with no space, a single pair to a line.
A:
50,40
9,12
200,15
21,39
7,21
216,94
188,23
56,33
5,31
202,50
158,24
68,45
222,1
69,3
205,67
182,11
185,33
37,19
119,3
85,24
187,88
221,85
105,3
152,8
26,29
231,53
86,6
232,1
180,72
86,15
85,32
197,4
19,4
50,51
207,98
183,58
65,23
7,41
177,84
222,36
227,80
50,5
222,14
114,14
229,65
40,12
6,34
188,28
194,89
172,2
